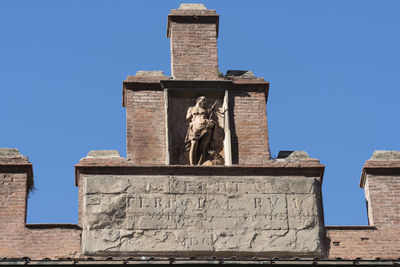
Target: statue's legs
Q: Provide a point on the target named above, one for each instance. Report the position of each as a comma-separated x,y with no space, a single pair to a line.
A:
193,152
205,141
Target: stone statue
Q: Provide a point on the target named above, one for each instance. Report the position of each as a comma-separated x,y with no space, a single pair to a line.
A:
204,138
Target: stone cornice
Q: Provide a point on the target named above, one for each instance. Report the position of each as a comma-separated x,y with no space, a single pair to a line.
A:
18,165
192,16
310,168
384,167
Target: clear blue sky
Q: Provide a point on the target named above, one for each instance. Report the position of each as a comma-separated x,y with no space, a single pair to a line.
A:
334,69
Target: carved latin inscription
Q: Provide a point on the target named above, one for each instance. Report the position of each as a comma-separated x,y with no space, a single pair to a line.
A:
129,214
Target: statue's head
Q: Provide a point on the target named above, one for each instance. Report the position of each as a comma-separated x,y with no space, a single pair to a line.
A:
202,101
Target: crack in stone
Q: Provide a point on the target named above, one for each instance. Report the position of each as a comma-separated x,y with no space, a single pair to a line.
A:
253,240
122,240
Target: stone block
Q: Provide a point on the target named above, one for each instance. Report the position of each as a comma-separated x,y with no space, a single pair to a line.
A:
188,6
202,215
103,154
240,73
150,73
385,155
293,155
9,152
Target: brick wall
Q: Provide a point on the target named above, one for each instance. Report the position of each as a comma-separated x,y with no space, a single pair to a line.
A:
363,242
18,239
383,195
145,118
381,182
48,241
248,122
194,51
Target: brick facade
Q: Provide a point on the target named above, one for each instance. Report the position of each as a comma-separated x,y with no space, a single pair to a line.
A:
194,59
145,117
249,124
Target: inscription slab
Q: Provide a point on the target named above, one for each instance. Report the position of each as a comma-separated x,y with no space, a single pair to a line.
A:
202,215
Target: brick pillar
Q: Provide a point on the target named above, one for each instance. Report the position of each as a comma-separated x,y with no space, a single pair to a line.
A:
193,31
15,182
381,182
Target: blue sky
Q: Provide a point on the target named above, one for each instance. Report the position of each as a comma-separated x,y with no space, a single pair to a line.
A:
333,67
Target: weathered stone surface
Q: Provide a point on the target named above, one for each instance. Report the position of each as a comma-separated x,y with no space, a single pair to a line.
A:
9,152
150,73
385,155
189,6
241,73
197,215
103,154
293,155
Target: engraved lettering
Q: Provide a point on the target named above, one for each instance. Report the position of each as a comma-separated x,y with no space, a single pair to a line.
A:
132,201
194,241
187,242
201,202
272,202
157,202
257,202
206,241
295,203
129,200
184,202
236,186
186,183
280,216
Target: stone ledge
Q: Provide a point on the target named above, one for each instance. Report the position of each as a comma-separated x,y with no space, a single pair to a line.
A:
293,155
371,164
19,167
189,6
103,157
202,261
192,16
9,152
193,12
147,77
246,74
309,168
382,162
385,155
160,82
12,156
11,161
150,73
103,154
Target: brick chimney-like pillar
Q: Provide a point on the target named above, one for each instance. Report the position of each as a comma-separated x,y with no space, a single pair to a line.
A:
381,182
15,182
193,30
